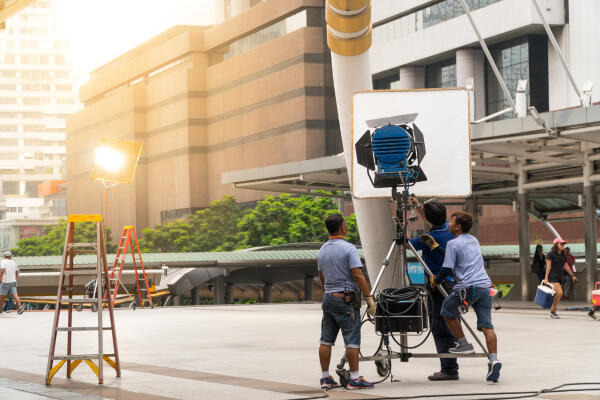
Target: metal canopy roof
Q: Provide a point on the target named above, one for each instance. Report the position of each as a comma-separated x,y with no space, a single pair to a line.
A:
552,158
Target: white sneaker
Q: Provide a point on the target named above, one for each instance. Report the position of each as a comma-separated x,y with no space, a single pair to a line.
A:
554,315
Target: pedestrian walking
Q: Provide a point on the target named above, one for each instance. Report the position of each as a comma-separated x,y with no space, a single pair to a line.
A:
556,263
538,265
9,272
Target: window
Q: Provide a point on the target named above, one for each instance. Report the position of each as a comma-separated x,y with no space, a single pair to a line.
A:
34,128
386,82
64,88
9,59
10,187
424,18
9,142
441,74
8,100
65,101
59,60
61,74
31,188
9,156
8,128
274,31
8,86
522,58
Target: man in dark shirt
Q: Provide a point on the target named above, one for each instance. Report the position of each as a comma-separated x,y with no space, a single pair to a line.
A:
435,214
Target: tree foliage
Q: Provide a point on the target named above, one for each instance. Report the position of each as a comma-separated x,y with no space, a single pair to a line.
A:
223,226
52,242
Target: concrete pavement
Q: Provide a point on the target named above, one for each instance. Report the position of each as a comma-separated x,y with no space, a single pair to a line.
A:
270,352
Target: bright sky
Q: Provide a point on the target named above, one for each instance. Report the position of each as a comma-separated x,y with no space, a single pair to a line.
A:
100,30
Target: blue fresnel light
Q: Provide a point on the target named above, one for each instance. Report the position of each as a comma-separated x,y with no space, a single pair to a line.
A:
393,149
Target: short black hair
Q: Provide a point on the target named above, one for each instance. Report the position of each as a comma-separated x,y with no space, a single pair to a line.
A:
464,219
435,213
334,223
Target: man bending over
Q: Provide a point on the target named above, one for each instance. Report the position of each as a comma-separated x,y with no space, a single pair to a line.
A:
463,259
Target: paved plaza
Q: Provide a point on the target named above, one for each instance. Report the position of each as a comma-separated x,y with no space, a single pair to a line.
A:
270,352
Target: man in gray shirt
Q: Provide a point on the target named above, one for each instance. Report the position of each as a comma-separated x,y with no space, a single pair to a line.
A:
341,274
473,288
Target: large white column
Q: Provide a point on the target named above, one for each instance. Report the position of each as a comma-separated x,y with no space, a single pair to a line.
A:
349,38
470,63
410,78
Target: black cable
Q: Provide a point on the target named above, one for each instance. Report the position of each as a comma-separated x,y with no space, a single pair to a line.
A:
512,395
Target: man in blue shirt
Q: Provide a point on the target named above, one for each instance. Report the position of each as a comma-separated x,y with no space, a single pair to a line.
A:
463,259
434,213
341,278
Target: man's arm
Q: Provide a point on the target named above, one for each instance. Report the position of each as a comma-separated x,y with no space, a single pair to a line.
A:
361,281
1,273
322,280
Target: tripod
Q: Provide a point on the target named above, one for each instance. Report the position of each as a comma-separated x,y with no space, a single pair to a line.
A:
399,247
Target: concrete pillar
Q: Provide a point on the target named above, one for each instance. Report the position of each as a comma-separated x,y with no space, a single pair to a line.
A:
410,78
472,208
589,224
268,293
219,290
176,300
308,288
195,296
470,63
229,293
523,204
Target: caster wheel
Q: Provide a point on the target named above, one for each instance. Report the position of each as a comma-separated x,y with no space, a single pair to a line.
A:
383,367
94,307
79,307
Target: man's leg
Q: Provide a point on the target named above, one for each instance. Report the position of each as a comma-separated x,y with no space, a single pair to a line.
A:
324,356
350,327
452,316
1,303
443,339
491,340
352,357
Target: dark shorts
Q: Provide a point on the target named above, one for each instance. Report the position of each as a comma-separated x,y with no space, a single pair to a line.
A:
482,304
336,316
556,279
8,289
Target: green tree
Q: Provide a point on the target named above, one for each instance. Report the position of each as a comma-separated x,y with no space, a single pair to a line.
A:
286,219
211,229
52,242
215,228
353,236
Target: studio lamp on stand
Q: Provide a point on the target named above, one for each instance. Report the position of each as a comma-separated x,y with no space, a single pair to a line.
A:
115,162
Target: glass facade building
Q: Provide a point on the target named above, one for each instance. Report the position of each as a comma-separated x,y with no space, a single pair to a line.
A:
37,92
441,74
306,17
522,58
424,18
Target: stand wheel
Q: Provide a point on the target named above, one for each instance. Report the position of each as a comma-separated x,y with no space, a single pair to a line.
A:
383,367
344,375
94,307
79,307
133,305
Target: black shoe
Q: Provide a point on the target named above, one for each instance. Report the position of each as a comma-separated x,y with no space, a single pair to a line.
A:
21,310
443,376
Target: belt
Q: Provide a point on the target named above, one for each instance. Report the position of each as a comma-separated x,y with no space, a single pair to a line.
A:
337,294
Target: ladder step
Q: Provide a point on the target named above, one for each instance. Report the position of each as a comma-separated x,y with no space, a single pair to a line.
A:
81,272
70,245
76,252
77,301
81,357
81,328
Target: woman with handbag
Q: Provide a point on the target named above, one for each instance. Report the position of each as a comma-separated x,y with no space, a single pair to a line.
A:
556,262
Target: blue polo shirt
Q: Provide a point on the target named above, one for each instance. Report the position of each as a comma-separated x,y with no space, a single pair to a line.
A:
434,260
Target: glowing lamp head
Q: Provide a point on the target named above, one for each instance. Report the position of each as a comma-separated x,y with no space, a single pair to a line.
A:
108,159
116,160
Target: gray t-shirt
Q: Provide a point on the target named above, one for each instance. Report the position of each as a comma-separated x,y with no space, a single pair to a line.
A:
335,260
463,257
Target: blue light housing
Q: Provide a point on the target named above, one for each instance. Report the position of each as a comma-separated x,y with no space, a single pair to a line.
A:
391,146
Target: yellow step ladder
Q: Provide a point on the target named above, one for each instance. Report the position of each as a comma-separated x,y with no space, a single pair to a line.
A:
65,284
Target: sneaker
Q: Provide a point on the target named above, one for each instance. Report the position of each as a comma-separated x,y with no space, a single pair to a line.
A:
443,376
462,349
359,383
493,371
553,314
328,383
592,314
21,310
